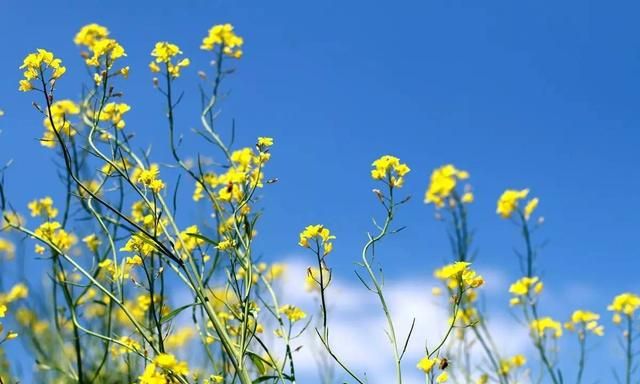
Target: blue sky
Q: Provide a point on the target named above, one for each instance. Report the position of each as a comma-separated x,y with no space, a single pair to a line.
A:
521,94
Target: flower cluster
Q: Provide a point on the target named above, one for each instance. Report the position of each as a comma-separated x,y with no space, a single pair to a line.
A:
507,365
624,304
43,207
35,66
584,321
509,200
293,313
53,233
164,52
443,184
224,36
321,234
7,248
459,274
58,120
524,289
89,34
244,174
113,113
148,177
545,325
389,169
17,292
158,371
103,51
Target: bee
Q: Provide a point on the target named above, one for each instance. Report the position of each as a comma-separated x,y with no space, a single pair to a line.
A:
444,363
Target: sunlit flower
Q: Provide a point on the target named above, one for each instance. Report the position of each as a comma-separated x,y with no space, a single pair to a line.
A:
442,184
223,35
319,233
36,65
540,327
390,170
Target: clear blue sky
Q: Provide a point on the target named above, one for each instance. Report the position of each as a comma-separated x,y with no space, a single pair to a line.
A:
539,94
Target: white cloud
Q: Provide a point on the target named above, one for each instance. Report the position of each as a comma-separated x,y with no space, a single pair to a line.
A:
357,324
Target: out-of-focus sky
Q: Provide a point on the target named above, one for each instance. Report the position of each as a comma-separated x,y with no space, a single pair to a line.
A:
537,94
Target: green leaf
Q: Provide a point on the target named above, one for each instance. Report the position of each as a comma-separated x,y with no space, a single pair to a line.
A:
169,316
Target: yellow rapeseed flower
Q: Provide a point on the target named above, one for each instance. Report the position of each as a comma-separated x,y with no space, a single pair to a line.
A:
320,233
89,34
293,313
541,326
426,364
36,64
442,184
625,303
164,52
509,200
389,169
223,35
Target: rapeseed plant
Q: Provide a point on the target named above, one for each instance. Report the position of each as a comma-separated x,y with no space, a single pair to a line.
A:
109,316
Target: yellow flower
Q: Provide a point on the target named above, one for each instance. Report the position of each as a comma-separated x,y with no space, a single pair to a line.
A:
442,184
151,376
169,362
153,67
17,292
164,52
149,178
265,142
3,310
114,112
518,360
530,207
105,51
188,239
467,198
389,169
226,244
53,233
442,377
223,35
293,313
130,345
540,327
59,122
508,203
36,64
92,241
139,243
617,319
426,364
320,233
7,248
625,303
524,287
90,33
459,272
